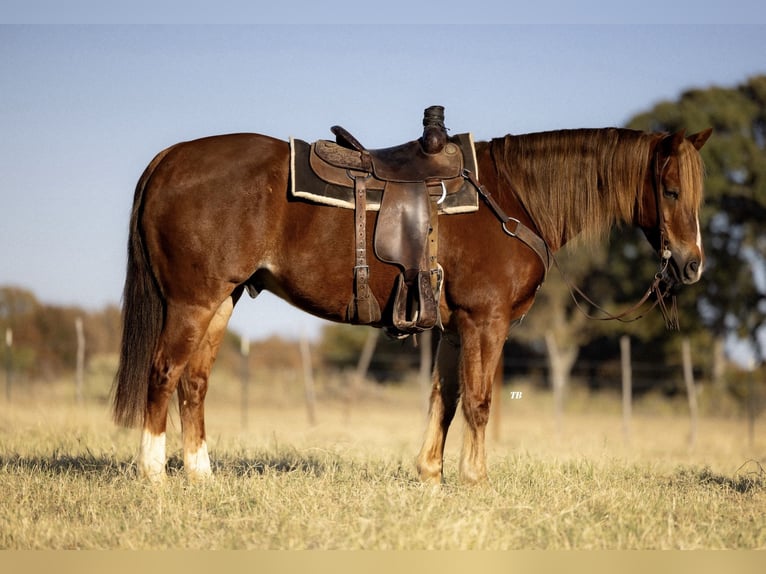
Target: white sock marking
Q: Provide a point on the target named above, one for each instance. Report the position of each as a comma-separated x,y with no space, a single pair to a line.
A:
151,455
197,462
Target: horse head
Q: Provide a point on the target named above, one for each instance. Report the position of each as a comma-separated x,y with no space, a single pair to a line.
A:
670,205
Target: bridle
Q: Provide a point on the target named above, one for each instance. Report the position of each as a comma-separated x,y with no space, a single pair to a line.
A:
661,286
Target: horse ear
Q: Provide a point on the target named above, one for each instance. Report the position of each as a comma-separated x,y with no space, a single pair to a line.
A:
671,142
699,139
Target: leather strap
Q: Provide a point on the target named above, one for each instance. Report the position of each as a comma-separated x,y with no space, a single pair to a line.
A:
519,231
363,308
656,288
435,272
433,249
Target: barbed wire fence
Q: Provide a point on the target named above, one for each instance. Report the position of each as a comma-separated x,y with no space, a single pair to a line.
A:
630,378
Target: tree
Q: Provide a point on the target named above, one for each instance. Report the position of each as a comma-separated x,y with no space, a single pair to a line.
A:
555,320
44,336
17,310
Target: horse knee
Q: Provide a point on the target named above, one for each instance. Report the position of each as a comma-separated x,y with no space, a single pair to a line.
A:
476,410
193,389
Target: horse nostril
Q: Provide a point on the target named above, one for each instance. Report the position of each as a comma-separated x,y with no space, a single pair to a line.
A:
691,271
693,266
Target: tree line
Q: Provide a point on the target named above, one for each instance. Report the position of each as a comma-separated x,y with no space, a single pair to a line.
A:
43,336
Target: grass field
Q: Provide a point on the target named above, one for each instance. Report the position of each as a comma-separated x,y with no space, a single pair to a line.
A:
349,481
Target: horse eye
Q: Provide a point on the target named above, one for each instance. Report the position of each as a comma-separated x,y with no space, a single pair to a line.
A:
671,193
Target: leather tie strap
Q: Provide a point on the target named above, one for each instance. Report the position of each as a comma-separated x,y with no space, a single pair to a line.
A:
519,231
363,307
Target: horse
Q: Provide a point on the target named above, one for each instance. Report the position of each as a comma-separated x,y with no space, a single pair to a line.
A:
212,217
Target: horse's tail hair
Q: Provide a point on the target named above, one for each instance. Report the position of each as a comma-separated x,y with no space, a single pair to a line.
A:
143,310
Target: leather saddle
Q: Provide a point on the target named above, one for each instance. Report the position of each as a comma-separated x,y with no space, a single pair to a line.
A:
405,163
411,180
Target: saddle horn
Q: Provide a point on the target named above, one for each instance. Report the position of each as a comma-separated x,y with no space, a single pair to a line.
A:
434,133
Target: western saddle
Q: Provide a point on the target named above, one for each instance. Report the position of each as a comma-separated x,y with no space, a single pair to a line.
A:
413,179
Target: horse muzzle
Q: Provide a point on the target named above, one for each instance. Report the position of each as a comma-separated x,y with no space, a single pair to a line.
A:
684,270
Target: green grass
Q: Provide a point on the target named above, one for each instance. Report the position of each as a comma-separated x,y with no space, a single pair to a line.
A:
349,482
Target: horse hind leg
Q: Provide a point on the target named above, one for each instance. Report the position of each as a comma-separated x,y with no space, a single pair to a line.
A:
191,394
184,328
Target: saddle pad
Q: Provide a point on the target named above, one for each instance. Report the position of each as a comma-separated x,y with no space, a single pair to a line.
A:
305,185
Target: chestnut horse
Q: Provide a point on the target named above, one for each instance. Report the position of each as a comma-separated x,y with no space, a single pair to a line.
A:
212,217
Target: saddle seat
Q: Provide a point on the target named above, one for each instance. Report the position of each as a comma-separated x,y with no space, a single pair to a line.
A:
408,162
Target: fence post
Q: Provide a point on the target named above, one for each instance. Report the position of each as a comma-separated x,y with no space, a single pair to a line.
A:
8,362
627,386
751,404
359,374
80,373
244,348
691,390
308,380
558,379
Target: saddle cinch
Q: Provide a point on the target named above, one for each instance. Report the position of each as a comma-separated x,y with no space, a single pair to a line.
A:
409,185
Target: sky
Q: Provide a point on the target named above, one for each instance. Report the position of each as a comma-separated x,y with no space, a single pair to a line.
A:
84,108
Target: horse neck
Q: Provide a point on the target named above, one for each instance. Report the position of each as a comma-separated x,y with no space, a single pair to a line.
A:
574,182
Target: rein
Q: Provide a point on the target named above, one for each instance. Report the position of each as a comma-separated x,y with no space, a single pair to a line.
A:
670,314
543,251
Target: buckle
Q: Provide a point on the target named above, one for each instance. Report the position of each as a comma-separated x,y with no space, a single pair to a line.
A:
508,231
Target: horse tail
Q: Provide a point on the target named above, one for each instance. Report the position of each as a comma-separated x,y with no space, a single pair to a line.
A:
143,310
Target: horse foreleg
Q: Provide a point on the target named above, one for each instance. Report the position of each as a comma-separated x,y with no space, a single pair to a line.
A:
441,410
482,347
191,394
184,328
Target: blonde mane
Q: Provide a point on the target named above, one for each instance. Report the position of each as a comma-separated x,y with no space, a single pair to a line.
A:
576,182
692,174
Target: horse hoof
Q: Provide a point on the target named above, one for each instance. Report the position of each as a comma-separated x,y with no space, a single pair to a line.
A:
153,477
200,477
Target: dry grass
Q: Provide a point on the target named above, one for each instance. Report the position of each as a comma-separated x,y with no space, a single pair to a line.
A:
349,482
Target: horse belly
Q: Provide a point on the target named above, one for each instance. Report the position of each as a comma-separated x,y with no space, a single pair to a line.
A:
312,261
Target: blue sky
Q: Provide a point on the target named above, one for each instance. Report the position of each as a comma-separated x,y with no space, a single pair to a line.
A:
83,109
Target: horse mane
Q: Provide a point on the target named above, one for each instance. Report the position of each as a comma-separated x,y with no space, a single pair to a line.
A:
576,182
